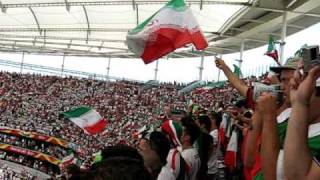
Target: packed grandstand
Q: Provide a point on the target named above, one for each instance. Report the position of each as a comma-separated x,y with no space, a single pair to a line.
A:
31,107
59,123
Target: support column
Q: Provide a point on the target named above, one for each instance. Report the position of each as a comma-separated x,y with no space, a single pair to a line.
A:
137,14
241,54
22,61
201,68
220,56
156,71
62,66
283,36
108,69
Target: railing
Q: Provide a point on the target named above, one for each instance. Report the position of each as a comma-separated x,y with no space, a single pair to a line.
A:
37,136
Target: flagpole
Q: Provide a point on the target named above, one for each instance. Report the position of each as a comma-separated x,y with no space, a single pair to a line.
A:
283,36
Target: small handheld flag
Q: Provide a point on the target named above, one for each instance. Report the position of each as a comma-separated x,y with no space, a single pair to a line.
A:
272,51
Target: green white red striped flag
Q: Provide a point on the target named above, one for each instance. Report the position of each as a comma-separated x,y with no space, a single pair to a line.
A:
87,119
272,51
170,28
68,160
230,158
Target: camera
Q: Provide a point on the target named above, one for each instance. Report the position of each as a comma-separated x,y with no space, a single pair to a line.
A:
275,90
311,58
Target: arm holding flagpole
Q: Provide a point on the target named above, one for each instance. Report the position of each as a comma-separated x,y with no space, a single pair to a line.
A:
234,80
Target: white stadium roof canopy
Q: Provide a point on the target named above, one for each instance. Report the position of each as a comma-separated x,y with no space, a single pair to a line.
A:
97,28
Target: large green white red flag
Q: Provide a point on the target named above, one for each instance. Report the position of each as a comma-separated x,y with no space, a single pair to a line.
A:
87,119
170,28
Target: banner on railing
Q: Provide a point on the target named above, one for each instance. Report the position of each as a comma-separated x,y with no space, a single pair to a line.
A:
37,136
26,152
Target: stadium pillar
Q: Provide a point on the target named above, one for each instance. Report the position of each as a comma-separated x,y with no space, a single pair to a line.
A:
62,66
156,71
22,60
241,53
137,14
108,68
283,36
201,68
220,56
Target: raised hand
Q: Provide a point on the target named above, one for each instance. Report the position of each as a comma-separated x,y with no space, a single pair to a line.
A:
267,105
220,63
301,89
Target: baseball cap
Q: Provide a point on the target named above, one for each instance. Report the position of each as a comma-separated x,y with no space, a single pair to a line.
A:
291,64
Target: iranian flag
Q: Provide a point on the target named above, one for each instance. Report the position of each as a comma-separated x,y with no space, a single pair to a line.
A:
170,28
68,160
272,51
230,158
222,130
87,119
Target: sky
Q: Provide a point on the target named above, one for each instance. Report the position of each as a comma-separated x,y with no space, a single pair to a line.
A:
180,70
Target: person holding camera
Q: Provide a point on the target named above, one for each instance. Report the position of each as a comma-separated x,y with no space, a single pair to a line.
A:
302,144
275,114
271,111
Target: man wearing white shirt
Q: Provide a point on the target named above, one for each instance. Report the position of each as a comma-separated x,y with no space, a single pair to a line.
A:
176,167
190,133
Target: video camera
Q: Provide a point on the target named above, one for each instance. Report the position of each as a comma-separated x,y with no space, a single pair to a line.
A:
311,58
275,90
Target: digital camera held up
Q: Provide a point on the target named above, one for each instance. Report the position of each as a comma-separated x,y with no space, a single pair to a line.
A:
275,90
310,56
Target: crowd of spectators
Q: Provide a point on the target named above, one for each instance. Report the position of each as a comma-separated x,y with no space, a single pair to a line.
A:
33,103
7,173
255,137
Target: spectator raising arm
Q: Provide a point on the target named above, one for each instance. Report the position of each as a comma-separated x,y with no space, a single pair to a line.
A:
267,107
234,80
253,137
298,161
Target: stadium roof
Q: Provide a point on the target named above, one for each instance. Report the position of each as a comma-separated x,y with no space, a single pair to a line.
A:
96,28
